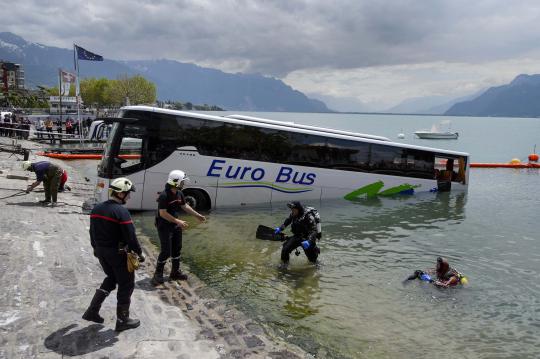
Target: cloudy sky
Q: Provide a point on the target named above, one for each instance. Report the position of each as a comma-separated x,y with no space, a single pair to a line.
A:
353,54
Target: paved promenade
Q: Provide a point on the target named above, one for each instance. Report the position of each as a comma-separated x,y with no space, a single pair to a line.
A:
49,275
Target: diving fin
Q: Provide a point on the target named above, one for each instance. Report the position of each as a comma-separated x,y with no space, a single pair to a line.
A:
268,234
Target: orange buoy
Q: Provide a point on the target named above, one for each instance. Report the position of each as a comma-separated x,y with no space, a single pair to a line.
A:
505,165
533,157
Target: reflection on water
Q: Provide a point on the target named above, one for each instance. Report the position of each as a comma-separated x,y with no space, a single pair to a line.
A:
302,291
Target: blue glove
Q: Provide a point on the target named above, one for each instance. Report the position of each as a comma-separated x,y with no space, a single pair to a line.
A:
306,244
277,230
426,277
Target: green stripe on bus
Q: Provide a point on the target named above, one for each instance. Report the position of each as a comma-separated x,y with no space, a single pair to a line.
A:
270,184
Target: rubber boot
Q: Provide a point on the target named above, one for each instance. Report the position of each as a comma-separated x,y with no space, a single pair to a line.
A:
92,313
176,274
157,279
123,321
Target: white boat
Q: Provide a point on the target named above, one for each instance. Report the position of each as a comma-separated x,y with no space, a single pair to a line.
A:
435,133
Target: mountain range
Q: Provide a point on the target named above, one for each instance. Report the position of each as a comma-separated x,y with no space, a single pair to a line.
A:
428,105
519,98
187,82
174,80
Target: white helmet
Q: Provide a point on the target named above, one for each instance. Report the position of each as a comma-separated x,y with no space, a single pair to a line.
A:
176,178
121,184
26,165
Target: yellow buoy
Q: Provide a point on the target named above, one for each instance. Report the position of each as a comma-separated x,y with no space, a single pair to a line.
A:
515,161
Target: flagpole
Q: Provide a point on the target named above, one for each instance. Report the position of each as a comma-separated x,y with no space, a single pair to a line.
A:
60,91
77,91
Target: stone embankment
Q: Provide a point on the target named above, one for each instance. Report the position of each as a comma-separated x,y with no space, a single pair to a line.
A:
49,275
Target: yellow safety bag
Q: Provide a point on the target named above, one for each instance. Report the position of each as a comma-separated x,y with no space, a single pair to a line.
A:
132,261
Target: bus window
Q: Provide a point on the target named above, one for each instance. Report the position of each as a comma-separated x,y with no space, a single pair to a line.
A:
307,150
274,146
419,164
387,160
347,155
240,141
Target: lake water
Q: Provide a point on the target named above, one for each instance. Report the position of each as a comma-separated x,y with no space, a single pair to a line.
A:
355,304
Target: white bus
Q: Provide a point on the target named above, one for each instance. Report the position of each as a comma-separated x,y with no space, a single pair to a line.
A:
241,161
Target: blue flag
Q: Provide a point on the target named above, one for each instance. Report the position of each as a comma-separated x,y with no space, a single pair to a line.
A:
83,54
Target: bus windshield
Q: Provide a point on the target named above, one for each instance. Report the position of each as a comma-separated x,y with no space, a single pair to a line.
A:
124,151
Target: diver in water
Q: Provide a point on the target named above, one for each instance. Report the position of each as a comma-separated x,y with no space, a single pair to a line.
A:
306,229
442,275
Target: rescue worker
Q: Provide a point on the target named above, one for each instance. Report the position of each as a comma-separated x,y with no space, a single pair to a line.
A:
48,173
446,276
442,275
169,226
306,229
112,235
62,186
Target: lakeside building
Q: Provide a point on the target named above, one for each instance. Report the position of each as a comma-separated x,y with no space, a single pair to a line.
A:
11,76
69,104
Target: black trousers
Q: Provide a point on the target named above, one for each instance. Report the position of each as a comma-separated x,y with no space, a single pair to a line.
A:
170,239
294,242
114,265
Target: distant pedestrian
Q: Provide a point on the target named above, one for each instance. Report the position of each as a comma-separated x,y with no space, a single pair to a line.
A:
40,127
69,126
88,123
76,128
112,235
59,126
49,128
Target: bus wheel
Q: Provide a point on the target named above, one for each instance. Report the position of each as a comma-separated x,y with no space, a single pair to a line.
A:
198,200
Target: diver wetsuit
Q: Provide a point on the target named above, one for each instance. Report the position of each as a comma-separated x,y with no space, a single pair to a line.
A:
304,227
111,230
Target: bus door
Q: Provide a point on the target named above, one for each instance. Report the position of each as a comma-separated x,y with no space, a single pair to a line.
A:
128,161
450,171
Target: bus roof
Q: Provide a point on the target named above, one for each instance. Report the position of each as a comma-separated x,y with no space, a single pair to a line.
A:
307,127
288,126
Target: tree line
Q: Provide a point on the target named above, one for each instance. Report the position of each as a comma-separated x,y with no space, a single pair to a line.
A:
104,93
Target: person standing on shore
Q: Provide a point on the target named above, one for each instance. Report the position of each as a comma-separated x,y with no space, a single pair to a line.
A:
49,128
40,127
112,235
169,226
48,173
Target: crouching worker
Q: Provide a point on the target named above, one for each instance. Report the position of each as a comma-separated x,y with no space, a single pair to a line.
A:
306,229
169,226
48,173
112,235
62,186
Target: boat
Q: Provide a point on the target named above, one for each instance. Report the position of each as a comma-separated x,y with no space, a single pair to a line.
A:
435,133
